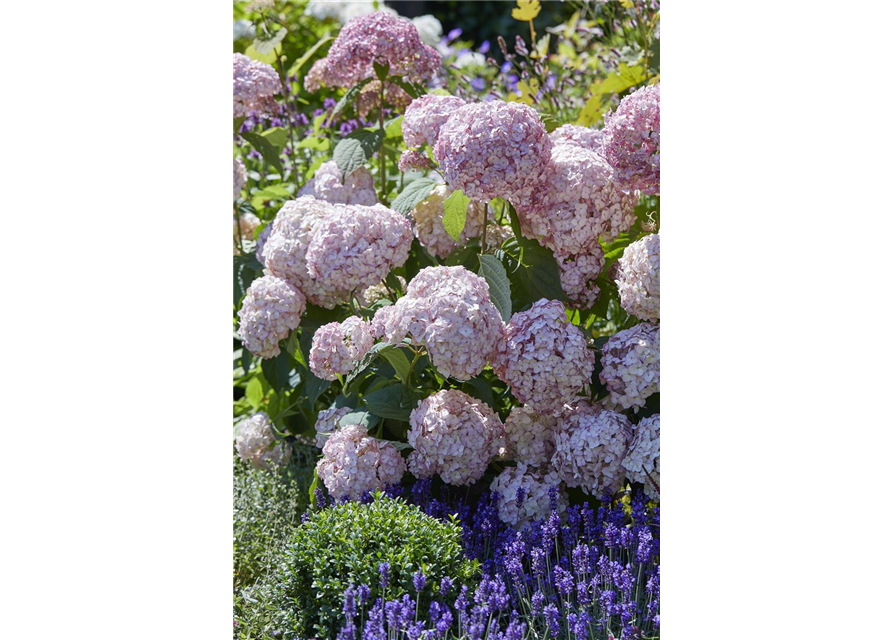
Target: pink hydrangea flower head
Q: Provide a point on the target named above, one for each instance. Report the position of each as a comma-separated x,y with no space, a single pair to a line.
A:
356,247
285,251
256,443
631,365
240,177
492,149
638,278
590,445
642,461
316,76
254,85
425,116
412,159
262,238
577,201
382,38
369,99
379,291
448,310
327,423
337,347
453,436
578,275
532,486
429,229
632,140
544,358
355,463
591,139
329,184
247,224
271,309
530,437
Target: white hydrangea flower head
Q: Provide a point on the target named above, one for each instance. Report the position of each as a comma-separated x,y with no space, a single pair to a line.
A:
578,275
240,177
429,229
369,99
356,247
327,423
337,347
530,437
632,140
577,202
254,85
631,365
453,436
470,59
545,359
379,292
271,309
590,444
642,461
430,29
262,238
497,234
449,311
256,443
355,463
591,139
493,149
285,251
326,184
247,223
425,116
638,278
534,489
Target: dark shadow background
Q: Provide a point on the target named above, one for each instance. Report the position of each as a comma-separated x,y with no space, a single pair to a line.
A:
481,20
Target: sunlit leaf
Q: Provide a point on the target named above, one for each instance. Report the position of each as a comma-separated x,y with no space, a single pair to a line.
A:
526,10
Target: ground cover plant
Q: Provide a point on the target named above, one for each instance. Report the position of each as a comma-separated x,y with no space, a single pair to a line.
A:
446,261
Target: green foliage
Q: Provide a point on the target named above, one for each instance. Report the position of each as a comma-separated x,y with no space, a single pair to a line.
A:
454,210
352,152
412,194
344,545
265,148
500,291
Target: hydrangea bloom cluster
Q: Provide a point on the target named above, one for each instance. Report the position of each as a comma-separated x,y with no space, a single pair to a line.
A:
631,365
382,38
247,224
638,278
578,275
379,292
642,461
256,443
425,116
590,445
370,97
254,85
338,346
578,200
316,76
454,436
530,436
285,251
355,247
428,218
447,309
632,140
271,309
327,423
584,137
430,29
355,463
544,359
240,177
413,159
262,238
524,494
493,149
330,185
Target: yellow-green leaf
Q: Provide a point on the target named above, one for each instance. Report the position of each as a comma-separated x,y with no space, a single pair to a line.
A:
526,10
454,209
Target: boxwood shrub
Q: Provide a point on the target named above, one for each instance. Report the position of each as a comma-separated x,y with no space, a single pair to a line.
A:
345,545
